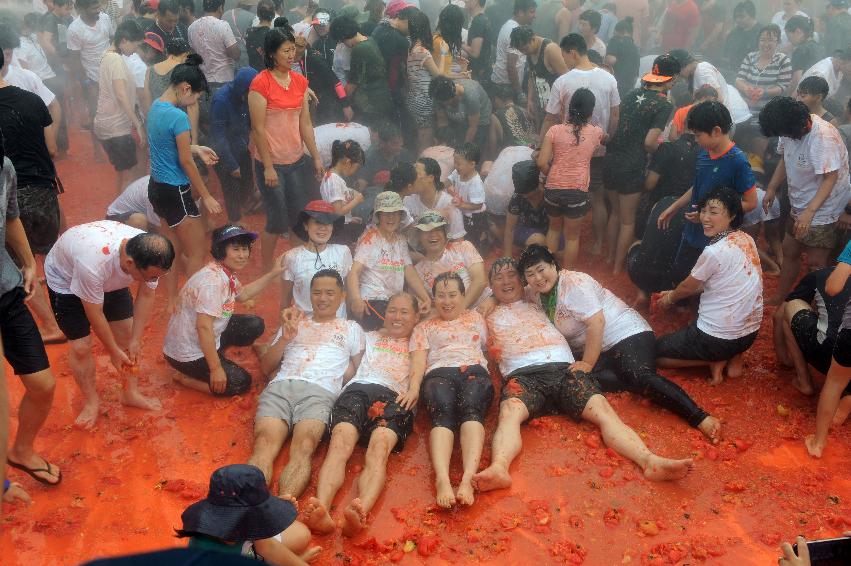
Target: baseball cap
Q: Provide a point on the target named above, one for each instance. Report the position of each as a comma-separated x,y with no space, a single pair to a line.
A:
665,68
155,41
233,231
396,6
321,19
430,220
320,210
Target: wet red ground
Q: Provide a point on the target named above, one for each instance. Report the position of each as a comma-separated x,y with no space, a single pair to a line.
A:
126,483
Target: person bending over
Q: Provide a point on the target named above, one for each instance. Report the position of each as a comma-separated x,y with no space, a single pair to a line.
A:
375,409
205,323
309,357
728,277
540,378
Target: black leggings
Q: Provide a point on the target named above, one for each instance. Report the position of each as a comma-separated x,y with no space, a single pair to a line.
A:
242,330
630,365
453,397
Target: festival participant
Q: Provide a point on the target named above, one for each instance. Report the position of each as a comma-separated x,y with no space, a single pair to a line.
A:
429,194
448,42
88,273
478,45
158,77
806,51
447,356
382,265
589,25
814,164
166,23
133,208
742,39
544,64
806,325
332,105
832,69
308,361
380,158
468,190
813,91
375,409
565,159
526,219
507,70
402,179
728,277
205,323
316,225
791,8
839,374
281,128
420,70
88,39
240,516
540,378
346,158
464,107
766,72
622,56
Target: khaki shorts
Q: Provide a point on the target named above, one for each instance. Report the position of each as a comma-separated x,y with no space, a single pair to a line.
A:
295,400
823,236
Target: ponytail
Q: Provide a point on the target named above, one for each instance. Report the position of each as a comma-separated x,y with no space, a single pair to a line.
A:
580,110
190,72
349,149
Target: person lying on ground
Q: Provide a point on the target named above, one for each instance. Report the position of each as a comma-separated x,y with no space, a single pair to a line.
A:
728,278
375,409
310,357
540,378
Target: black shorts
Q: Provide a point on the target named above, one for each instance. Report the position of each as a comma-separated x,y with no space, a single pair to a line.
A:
691,343
455,395
172,203
572,203
121,152
804,327
842,348
552,388
71,316
622,182
22,344
353,407
39,213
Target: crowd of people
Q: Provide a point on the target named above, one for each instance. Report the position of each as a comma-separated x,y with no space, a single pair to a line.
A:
430,168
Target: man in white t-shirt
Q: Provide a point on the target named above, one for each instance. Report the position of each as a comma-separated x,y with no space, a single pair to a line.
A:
703,73
589,25
89,271
538,366
309,359
832,69
88,38
213,40
133,208
28,80
509,63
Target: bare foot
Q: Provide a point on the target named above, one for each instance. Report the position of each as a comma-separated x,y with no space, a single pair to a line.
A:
136,399
492,477
354,518
711,428
734,366
317,518
88,416
842,411
445,495
716,373
814,448
464,494
311,553
804,385
664,469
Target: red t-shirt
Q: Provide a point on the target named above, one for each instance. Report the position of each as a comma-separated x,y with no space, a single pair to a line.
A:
283,110
681,20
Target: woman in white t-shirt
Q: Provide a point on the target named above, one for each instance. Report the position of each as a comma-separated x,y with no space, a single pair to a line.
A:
382,265
316,225
428,194
447,353
728,277
205,323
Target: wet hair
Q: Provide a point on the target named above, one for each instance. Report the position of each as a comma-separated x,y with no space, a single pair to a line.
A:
128,30
405,14
593,18
343,28
211,5
388,131
177,46
799,23
9,38
266,10
625,26
574,42
402,175
32,21
731,200
410,296
470,152
533,255
275,37
521,36
499,264
705,116
283,23
331,273
445,278
441,88
784,116
83,4
595,57
349,149
150,250
814,85
190,72
580,110
170,6
706,92
746,7
450,21
219,249
772,29
524,6
419,29
432,168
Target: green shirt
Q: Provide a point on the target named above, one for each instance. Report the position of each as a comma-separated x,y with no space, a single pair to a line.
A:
368,72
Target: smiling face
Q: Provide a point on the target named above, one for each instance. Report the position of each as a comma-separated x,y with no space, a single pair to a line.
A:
542,276
326,296
400,316
506,285
448,299
768,43
433,241
236,256
318,232
388,221
715,218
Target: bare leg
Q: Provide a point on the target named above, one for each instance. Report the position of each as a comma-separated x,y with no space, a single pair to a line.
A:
296,537
172,278
33,411
269,436
472,442
599,220
267,250
83,367
553,233
613,226
192,238
837,380
132,396
441,440
788,270
627,443
572,228
626,232
507,443
370,481
842,411
332,474
778,336
48,327
191,383
803,381
296,474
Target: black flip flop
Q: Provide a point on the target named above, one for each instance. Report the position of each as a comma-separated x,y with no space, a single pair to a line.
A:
33,471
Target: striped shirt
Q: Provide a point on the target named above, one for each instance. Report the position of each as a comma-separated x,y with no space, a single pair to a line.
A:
777,73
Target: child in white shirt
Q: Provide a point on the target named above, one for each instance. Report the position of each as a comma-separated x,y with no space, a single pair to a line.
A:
468,193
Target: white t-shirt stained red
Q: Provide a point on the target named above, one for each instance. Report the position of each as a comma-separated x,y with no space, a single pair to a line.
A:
452,343
301,264
386,361
384,262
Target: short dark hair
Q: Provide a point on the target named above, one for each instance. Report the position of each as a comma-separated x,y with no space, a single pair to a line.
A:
799,22
533,255
784,116
625,25
705,116
219,249
213,5
403,174
574,42
814,85
83,4
275,37
746,7
9,38
593,18
445,278
706,91
128,30
406,13
521,36
343,28
266,10
524,6
183,4
330,273
500,263
170,6
441,88
731,200
410,296
470,152
177,46
773,29
150,250
389,131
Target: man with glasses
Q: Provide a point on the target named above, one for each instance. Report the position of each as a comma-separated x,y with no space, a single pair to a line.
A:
88,273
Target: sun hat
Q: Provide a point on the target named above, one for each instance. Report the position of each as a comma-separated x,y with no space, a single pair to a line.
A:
321,19
155,41
430,220
396,6
388,201
234,231
321,211
666,67
239,507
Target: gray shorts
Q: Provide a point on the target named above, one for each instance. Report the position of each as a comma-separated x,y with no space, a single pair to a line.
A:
295,400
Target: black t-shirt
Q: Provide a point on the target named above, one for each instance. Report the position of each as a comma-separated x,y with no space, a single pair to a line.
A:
830,310
23,117
806,55
527,215
254,39
675,163
739,43
480,67
625,68
179,31
394,48
641,110
58,28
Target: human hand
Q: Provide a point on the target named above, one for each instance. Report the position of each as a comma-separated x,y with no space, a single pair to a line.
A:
318,167
486,307
311,97
425,306
409,399
134,351
358,308
665,301
270,177
16,494
581,366
206,154
29,284
218,380
290,317
348,113
664,219
802,223
212,205
693,215
120,360
790,559
357,198
844,221
767,201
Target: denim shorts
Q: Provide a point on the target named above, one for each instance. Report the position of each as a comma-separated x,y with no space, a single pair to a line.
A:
283,203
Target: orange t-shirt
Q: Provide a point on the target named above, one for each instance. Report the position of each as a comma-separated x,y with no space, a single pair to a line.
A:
679,120
283,110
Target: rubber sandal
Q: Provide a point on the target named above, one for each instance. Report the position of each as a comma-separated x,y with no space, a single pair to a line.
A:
33,471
